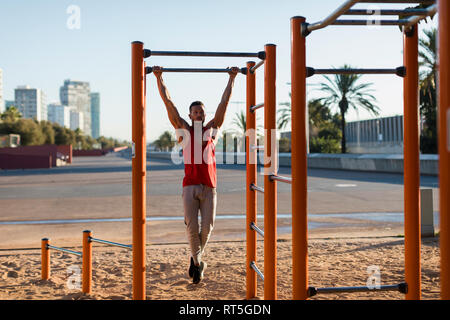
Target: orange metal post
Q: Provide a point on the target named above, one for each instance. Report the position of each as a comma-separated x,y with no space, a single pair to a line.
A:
270,187
45,259
70,153
138,168
411,164
87,262
251,178
444,143
299,161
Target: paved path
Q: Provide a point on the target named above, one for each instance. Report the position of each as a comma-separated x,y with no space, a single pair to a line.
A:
100,188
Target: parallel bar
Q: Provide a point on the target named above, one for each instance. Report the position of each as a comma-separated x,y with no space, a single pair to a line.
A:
258,230
149,53
332,17
111,243
65,250
256,188
256,107
251,172
254,267
411,165
444,144
196,70
386,12
401,287
274,177
259,64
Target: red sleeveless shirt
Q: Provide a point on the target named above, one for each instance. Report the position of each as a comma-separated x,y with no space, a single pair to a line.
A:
200,168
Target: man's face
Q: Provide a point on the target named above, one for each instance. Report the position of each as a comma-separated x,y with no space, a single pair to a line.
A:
197,113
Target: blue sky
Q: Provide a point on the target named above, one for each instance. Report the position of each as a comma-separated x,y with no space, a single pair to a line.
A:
37,48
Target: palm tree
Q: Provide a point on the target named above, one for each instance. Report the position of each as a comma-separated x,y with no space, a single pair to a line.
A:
240,121
317,113
428,80
345,92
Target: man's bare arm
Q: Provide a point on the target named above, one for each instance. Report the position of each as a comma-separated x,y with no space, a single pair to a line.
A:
222,108
174,116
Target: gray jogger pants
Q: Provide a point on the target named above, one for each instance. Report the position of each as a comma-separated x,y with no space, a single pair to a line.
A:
199,198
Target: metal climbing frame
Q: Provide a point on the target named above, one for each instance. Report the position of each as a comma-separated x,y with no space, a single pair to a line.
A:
269,190
139,72
300,29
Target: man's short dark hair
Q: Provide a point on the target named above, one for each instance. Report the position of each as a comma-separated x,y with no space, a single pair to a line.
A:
195,103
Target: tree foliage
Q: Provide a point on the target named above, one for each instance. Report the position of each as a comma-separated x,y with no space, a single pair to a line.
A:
427,93
34,133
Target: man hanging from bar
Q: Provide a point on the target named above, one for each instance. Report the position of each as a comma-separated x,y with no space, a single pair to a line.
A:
199,183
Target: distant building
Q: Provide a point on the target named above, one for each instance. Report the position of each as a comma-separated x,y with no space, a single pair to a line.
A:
76,119
381,135
9,103
31,102
59,114
2,101
76,94
95,114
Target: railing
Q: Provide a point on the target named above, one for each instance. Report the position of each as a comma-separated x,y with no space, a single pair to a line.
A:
86,256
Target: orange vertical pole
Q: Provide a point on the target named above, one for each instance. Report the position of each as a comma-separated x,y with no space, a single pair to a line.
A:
270,187
444,143
45,259
251,167
138,169
299,161
87,262
70,153
411,163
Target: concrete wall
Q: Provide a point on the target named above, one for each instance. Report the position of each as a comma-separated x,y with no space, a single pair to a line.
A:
20,161
43,150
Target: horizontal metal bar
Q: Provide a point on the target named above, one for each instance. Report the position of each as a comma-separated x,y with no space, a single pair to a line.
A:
331,18
401,287
415,19
258,230
254,267
207,70
386,12
400,71
355,71
110,243
372,22
256,188
256,66
256,147
65,250
275,177
399,1
256,107
148,53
